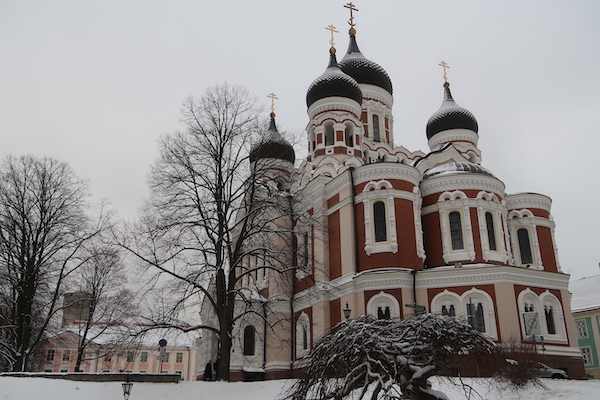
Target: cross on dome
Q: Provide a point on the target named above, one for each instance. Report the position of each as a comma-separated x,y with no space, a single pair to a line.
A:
332,29
273,97
444,65
351,7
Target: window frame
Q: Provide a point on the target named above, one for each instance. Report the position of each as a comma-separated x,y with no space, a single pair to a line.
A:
582,329
249,344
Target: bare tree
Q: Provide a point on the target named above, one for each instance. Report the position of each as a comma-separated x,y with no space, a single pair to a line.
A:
211,209
103,302
44,223
392,358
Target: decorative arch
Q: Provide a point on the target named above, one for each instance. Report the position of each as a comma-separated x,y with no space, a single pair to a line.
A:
455,195
483,195
446,303
477,303
383,306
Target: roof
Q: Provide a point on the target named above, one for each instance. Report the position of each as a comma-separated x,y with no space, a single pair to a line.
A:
585,294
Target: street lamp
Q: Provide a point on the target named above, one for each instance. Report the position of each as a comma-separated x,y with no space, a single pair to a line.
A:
347,311
127,385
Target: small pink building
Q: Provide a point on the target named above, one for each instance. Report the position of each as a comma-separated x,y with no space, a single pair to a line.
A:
116,350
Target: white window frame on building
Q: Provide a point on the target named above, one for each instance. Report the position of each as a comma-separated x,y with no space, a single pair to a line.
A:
524,219
449,202
302,327
586,353
473,296
530,302
382,301
373,193
582,328
488,202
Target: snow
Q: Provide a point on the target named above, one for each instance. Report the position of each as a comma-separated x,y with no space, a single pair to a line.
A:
12,388
586,295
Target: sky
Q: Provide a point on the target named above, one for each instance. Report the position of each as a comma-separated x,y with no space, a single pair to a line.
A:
57,389
95,84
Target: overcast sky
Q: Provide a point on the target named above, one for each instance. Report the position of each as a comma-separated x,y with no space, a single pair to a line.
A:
95,83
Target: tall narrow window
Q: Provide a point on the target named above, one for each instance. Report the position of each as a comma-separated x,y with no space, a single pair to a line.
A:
249,340
329,134
304,338
379,221
456,231
376,134
50,354
349,135
489,222
524,246
549,313
384,313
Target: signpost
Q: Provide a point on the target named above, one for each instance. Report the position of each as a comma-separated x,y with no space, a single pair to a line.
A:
162,343
418,309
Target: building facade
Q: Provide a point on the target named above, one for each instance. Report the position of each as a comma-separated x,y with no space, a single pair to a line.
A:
585,303
383,230
113,352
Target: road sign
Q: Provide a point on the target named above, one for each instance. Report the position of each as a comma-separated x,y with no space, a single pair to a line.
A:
162,342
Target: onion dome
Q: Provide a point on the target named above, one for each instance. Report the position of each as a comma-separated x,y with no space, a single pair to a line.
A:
332,83
363,70
272,145
456,167
450,116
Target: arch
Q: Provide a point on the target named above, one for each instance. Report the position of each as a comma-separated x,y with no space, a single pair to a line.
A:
479,311
329,133
446,303
455,195
377,185
349,134
249,341
383,306
553,316
488,196
525,213
312,141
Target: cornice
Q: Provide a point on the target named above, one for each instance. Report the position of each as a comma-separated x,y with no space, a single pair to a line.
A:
378,171
528,200
461,181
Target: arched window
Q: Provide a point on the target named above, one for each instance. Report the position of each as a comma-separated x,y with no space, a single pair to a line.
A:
302,335
456,231
312,143
549,313
489,222
376,134
249,340
329,134
349,135
524,246
475,315
379,221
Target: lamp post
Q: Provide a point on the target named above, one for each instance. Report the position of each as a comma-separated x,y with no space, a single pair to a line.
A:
127,385
347,311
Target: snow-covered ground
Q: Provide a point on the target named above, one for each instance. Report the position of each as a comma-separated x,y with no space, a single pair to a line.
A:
54,389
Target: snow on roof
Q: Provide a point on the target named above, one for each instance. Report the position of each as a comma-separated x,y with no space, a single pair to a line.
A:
585,294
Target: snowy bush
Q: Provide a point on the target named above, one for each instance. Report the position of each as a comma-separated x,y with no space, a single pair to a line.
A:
392,359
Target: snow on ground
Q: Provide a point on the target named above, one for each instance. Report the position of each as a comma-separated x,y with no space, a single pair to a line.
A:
12,388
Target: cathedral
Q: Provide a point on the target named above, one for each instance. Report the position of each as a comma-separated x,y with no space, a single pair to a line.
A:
399,232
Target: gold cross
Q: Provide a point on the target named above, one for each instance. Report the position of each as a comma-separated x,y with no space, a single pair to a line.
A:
273,97
444,65
352,8
332,29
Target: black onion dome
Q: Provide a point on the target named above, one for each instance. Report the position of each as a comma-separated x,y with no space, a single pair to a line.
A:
364,70
450,116
333,82
272,145
456,167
